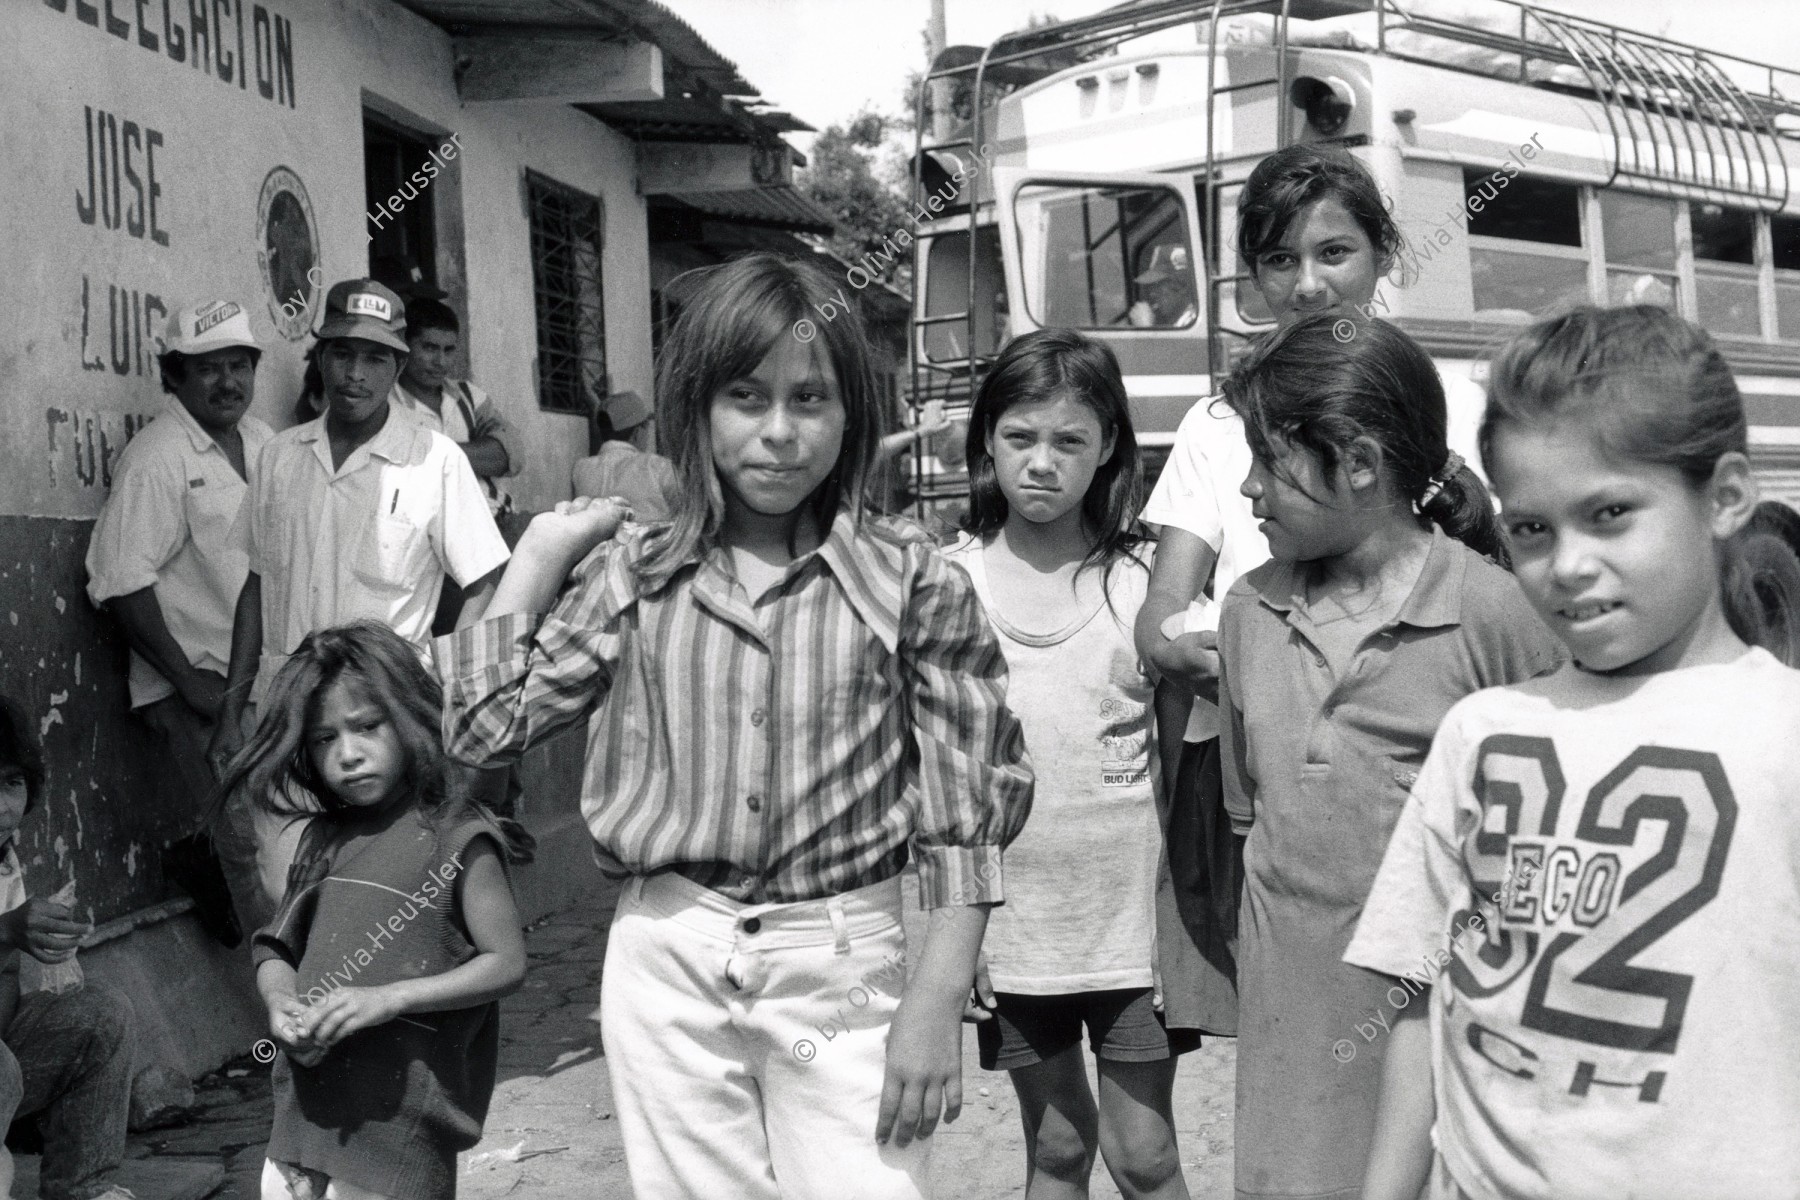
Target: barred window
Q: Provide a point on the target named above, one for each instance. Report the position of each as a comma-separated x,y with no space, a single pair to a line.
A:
571,325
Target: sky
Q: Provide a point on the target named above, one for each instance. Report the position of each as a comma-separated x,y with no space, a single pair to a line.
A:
825,60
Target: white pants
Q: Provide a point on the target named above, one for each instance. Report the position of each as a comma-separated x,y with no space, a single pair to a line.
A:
748,1044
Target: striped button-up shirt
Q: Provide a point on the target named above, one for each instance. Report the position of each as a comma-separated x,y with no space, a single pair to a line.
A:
782,750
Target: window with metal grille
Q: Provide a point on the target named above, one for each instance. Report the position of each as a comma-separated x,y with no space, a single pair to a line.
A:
571,325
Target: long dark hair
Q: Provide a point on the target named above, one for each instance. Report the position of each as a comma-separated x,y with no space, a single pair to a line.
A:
275,768
19,747
1311,386
1291,180
1649,387
726,327
1037,366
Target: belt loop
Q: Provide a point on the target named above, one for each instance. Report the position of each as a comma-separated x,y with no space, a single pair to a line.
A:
834,908
637,890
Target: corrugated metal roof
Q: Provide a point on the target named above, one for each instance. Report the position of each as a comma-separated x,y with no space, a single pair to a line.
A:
778,208
694,119
644,19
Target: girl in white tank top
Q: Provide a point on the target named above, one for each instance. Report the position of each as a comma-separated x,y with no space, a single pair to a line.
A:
1057,558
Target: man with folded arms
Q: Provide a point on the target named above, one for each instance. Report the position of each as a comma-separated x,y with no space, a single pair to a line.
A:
163,560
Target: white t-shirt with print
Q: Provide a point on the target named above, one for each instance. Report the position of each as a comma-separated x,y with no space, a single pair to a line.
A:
1080,911
1197,493
1625,1020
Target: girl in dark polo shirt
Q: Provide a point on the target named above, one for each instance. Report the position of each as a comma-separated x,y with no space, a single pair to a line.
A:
1382,607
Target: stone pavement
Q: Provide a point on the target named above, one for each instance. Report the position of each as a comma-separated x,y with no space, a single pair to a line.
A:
551,1132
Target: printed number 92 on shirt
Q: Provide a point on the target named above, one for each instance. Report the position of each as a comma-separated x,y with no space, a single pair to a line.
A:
1646,852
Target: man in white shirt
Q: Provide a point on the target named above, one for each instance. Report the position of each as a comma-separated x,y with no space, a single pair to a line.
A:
356,515
162,559
465,414
455,408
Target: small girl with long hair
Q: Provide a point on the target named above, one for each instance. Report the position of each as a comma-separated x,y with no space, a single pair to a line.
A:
791,697
1060,563
1593,894
1382,606
397,937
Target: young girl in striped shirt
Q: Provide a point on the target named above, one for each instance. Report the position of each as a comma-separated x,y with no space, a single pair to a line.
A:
791,696
1061,565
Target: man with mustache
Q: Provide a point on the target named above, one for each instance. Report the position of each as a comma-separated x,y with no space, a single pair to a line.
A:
162,559
357,515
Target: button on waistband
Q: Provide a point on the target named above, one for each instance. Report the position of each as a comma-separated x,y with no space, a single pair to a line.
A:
752,924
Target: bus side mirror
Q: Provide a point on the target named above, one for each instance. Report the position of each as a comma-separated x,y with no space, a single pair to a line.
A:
1327,102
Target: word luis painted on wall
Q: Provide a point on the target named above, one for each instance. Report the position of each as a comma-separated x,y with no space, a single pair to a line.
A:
133,320
262,38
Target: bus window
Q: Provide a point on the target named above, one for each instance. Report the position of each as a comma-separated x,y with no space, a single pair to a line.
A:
947,291
1725,269
1785,235
1252,309
1525,250
1639,235
1105,257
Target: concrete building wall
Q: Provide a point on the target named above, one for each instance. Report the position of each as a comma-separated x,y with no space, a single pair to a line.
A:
238,169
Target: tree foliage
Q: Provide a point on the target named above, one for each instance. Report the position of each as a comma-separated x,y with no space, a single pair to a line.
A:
859,170
856,176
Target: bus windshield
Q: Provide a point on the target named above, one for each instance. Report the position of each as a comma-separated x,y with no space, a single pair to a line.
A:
1103,257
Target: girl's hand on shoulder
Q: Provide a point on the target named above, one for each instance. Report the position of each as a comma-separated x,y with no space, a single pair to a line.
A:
349,1009
924,1073
571,530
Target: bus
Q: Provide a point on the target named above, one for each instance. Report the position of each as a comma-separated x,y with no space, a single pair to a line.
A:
1085,174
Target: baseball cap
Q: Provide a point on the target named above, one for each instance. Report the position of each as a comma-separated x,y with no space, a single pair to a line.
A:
208,326
1165,260
362,308
625,410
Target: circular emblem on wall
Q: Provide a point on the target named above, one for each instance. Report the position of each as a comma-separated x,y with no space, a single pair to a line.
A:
287,249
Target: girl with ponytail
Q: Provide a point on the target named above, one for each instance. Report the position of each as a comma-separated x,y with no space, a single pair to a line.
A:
1384,604
1607,860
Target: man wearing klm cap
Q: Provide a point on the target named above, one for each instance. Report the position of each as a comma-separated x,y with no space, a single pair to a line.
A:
356,515
164,561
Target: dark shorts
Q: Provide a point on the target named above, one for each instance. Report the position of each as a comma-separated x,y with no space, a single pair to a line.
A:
1122,1025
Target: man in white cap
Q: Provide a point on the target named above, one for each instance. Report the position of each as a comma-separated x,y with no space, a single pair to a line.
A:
163,560
1166,289
357,515
619,468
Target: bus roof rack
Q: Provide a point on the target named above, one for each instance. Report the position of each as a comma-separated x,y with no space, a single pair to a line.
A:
1678,114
